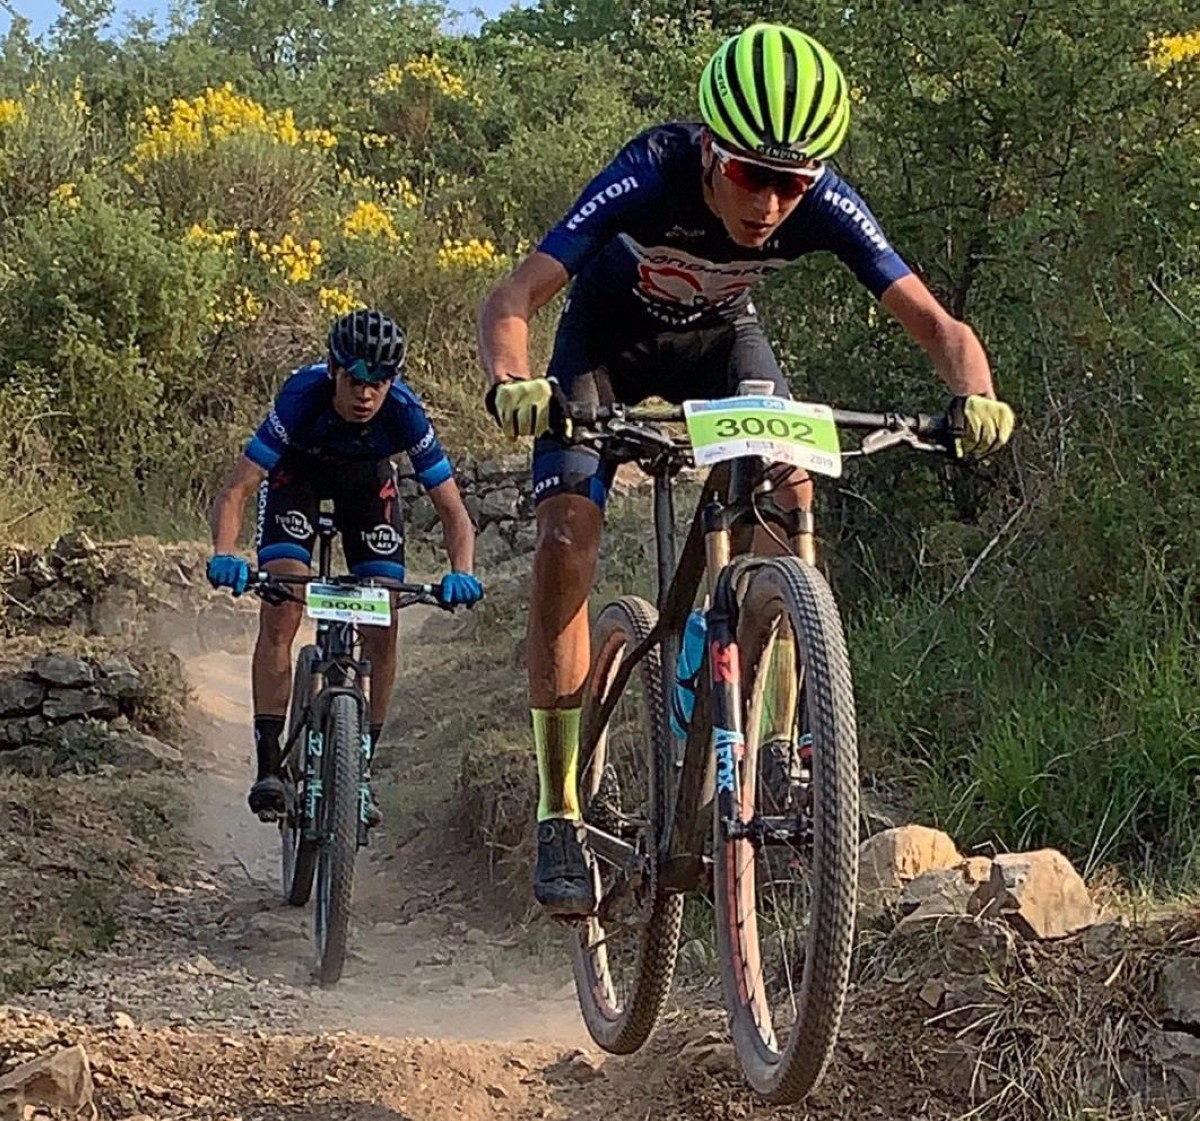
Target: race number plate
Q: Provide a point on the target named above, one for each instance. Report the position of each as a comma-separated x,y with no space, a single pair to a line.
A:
370,607
781,430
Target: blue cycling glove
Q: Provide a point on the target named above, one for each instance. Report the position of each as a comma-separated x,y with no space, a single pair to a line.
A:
227,571
461,587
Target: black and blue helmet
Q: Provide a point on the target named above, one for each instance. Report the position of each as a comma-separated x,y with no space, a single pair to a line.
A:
368,345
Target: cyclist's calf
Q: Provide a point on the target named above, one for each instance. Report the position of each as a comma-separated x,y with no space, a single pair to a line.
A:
564,565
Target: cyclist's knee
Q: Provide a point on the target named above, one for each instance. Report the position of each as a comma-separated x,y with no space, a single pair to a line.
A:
278,623
568,537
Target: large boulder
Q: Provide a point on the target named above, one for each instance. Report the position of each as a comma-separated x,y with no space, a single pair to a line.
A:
1038,893
890,860
942,893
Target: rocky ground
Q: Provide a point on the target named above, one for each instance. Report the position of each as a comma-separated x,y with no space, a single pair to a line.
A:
994,989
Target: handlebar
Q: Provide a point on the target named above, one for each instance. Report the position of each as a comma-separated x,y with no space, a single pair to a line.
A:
277,587
921,431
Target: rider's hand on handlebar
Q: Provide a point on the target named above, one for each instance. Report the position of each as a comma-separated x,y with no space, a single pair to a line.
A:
979,425
228,571
461,587
523,406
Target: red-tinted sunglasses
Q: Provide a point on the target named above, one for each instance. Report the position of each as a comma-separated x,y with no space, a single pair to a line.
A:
754,176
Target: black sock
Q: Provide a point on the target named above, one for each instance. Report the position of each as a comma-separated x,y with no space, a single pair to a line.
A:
267,730
374,731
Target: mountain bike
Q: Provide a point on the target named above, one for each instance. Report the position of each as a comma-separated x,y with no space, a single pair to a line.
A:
758,802
326,753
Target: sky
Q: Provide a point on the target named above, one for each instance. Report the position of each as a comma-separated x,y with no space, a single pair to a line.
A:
43,13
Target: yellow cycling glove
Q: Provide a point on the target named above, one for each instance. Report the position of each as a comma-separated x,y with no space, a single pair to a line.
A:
521,406
980,425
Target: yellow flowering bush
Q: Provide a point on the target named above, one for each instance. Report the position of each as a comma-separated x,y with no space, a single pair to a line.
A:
216,239
65,195
241,308
288,258
425,68
1167,51
336,302
213,117
11,112
369,220
456,254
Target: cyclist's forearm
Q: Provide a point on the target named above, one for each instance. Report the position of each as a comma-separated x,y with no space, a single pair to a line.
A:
458,534
225,520
961,362
503,338
225,516
504,318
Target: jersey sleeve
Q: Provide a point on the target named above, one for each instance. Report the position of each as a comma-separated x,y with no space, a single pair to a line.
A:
413,434
278,429
855,236
625,188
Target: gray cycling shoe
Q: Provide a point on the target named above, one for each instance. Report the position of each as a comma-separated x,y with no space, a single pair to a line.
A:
268,798
562,883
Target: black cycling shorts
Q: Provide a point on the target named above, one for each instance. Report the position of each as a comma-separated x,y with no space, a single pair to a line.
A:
366,511
592,361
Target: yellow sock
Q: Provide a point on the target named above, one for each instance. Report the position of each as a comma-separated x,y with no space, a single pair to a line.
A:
556,737
779,709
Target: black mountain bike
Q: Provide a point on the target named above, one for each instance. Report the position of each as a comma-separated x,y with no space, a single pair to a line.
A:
326,754
759,804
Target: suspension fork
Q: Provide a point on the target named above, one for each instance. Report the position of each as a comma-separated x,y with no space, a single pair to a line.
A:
724,667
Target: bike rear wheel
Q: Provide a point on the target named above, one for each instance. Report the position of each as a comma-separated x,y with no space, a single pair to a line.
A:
338,817
299,853
624,956
786,894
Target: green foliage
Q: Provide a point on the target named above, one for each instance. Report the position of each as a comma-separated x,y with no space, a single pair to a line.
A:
1025,633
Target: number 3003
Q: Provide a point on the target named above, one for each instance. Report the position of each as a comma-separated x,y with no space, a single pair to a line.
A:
730,428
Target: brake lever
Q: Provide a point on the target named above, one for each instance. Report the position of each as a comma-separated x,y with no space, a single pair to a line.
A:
883,438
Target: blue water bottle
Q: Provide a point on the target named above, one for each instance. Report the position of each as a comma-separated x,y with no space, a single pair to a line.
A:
687,666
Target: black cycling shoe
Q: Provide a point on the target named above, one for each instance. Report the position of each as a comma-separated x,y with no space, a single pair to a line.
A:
267,798
786,775
562,883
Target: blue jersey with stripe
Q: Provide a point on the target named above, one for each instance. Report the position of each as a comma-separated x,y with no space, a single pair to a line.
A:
303,420
641,236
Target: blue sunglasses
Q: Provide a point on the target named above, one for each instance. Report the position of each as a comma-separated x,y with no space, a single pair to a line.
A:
360,371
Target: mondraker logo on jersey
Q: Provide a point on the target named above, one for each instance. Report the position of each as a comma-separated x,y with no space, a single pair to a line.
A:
850,208
679,287
601,198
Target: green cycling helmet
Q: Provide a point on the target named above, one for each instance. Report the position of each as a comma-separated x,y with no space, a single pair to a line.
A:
778,93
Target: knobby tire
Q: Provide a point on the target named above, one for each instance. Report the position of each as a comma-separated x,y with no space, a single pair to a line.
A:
622,1026
785,1073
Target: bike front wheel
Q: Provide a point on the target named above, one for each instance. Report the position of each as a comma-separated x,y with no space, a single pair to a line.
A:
338,818
299,852
624,955
786,870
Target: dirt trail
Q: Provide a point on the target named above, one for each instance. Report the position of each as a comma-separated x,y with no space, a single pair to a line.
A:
425,958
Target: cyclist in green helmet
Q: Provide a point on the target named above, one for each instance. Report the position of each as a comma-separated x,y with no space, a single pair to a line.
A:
664,247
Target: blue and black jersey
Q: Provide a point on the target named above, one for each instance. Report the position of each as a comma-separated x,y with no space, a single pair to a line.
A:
302,421
642,237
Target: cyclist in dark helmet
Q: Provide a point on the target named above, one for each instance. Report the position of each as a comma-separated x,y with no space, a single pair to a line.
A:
331,433
663,249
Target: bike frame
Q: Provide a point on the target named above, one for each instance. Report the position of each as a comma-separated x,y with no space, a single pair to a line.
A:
736,498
